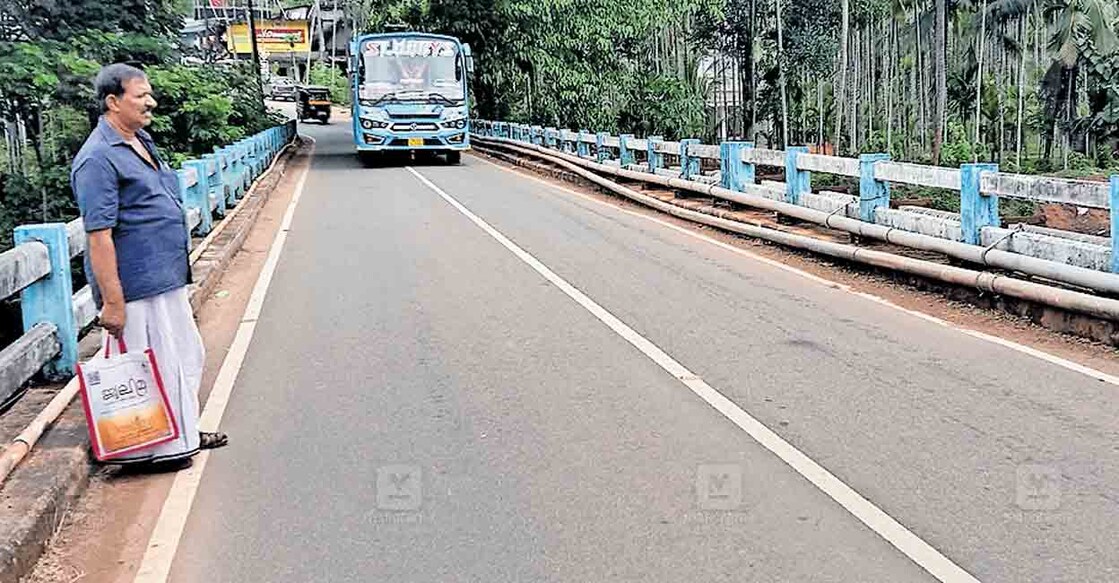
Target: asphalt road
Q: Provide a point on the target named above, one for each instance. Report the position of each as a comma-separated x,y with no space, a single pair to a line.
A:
419,404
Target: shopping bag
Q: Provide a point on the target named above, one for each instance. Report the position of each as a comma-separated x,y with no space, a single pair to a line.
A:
126,406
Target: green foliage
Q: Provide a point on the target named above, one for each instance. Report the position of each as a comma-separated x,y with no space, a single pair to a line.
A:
333,79
64,20
960,148
194,110
46,83
665,106
811,36
581,64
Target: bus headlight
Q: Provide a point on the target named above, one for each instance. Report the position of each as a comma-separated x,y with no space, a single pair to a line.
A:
455,124
370,124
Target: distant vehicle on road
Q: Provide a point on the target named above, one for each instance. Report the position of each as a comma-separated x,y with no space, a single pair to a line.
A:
313,103
411,94
281,88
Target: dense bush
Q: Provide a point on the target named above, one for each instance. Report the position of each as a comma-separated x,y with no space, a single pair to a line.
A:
333,79
199,108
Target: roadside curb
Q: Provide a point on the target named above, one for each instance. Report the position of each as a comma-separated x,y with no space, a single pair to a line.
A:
39,493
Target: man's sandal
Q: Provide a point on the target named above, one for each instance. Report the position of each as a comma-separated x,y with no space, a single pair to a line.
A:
212,440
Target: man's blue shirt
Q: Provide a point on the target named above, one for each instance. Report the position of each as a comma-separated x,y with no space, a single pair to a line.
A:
117,189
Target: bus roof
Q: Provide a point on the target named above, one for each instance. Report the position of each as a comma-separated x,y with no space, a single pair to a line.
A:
365,37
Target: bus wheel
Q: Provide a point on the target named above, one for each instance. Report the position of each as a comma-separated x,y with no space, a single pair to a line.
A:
454,157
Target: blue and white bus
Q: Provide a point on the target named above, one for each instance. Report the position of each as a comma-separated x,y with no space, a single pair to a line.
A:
411,94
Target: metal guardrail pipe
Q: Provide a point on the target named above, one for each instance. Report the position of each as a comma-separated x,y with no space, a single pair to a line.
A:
1096,306
1087,278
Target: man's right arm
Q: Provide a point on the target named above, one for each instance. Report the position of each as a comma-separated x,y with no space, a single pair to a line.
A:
96,188
103,259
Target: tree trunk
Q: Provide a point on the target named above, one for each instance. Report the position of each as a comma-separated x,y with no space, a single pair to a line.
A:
940,47
1021,88
854,120
752,133
922,92
891,69
322,34
979,78
781,80
820,112
871,94
840,92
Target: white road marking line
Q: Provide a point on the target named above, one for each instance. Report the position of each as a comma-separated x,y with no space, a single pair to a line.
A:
883,524
155,567
1028,350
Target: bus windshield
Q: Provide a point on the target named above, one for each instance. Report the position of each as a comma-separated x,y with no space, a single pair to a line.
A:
411,69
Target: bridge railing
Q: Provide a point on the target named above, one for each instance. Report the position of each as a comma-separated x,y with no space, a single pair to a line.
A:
38,267
733,165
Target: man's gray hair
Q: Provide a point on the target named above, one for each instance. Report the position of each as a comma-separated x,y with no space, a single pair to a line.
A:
111,79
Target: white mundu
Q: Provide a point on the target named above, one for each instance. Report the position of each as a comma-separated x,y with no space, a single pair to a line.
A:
165,323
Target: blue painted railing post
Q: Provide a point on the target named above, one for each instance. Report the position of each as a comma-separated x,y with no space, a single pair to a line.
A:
797,182
689,165
625,155
229,176
654,158
244,172
582,147
736,173
872,193
201,169
600,152
977,210
50,299
217,181
232,178
197,197
1114,201
538,133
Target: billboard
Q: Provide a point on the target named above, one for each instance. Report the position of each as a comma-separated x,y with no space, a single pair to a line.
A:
272,36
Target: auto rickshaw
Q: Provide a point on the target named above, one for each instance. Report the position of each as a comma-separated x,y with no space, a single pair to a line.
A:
313,102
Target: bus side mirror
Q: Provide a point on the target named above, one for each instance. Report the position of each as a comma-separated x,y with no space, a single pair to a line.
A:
469,56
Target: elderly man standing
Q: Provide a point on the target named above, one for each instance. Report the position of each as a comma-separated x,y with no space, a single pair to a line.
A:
137,257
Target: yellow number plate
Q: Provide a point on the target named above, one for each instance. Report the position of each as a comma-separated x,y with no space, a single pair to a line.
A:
415,142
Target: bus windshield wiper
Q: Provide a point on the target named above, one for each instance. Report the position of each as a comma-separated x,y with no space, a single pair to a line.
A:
436,97
384,99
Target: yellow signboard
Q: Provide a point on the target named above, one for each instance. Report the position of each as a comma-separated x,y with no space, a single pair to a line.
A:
272,36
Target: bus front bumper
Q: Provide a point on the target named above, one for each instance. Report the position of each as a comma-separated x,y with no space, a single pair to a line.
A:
372,141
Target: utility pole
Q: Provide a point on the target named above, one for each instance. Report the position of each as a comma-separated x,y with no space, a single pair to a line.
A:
256,53
252,38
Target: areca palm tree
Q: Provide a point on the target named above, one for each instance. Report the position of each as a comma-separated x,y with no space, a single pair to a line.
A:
1081,30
